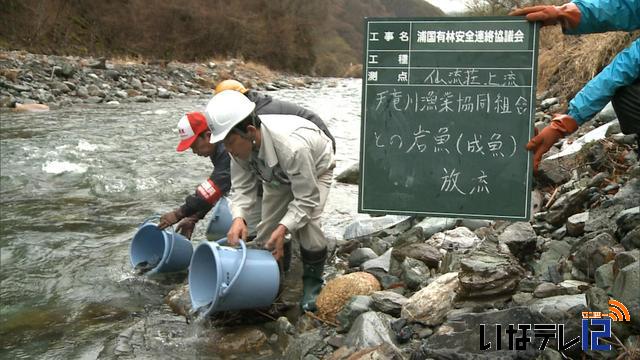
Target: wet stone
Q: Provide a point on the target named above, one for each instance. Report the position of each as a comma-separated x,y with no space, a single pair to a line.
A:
370,329
548,289
361,255
388,302
354,308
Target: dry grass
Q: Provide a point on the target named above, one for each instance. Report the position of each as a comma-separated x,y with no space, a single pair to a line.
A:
567,63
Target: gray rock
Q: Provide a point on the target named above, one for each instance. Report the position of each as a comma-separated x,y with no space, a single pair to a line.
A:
94,90
370,329
121,94
575,287
522,298
557,307
546,103
386,280
626,288
413,236
94,100
355,307
459,337
431,226
606,115
458,238
575,223
82,92
549,289
414,273
361,255
521,240
164,93
559,233
364,227
428,254
550,172
136,83
488,274
629,194
626,258
594,253
382,262
604,276
112,74
351,175
388,302
474,224
431,304
141,99
632,239
306,343
60,86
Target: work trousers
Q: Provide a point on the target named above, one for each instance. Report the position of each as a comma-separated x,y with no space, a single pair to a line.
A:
275,201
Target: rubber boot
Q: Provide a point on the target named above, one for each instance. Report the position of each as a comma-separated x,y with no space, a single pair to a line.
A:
312,270
286,258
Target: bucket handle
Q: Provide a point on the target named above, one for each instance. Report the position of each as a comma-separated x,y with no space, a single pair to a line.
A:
172,232
227,287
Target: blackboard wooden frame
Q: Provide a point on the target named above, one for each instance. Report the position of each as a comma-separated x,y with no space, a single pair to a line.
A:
400,172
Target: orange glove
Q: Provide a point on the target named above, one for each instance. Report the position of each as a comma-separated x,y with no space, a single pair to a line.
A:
561,126
567,15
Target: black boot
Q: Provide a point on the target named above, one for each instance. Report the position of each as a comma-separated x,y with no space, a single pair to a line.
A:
313,268
286,258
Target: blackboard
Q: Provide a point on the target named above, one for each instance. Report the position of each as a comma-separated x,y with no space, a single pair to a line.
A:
448,105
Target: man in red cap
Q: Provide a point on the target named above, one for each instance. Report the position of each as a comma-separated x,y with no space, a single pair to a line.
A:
195,134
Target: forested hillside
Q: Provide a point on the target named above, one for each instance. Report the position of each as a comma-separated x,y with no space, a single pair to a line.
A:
321,37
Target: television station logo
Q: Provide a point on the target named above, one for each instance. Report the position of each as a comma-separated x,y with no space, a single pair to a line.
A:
595,326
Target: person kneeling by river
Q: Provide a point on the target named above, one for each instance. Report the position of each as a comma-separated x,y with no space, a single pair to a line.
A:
294,160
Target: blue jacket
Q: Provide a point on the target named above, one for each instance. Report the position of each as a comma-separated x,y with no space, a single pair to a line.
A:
601,16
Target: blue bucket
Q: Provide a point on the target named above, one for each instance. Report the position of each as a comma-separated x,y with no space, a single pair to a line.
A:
225,278
170,250
220,220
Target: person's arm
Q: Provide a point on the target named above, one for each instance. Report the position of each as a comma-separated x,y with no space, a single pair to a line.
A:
209,191
300,169
606,15
622,71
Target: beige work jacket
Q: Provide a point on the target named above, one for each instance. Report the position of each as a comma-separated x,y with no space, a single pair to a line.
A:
293,152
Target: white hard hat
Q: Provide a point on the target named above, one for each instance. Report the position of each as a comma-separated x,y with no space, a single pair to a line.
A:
224,111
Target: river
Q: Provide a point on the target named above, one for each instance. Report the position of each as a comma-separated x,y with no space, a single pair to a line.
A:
75,184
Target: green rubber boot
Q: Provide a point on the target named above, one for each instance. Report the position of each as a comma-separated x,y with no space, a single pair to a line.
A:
313,268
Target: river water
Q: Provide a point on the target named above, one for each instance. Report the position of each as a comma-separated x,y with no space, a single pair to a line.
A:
75,184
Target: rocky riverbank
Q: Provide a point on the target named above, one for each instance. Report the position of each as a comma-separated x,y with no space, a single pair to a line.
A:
58,81
436,288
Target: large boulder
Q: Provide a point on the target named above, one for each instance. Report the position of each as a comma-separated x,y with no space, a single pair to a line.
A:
488,274
460,337
520,238
370,329
431,304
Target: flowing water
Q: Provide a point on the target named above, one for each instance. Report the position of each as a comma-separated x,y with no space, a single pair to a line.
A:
75,184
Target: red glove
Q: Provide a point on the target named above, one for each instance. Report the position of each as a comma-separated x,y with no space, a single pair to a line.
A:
186,226
561,126
567,15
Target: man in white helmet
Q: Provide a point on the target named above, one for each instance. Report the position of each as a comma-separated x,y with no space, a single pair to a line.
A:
294,160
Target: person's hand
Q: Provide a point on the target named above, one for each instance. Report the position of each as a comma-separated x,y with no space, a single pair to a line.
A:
170,218
276,242
561,126
186,226
237,231
567,15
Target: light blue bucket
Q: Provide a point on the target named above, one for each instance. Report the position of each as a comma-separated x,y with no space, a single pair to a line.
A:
220,220
172,251
225,278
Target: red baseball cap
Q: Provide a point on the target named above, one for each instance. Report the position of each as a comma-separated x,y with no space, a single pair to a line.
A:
189,127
